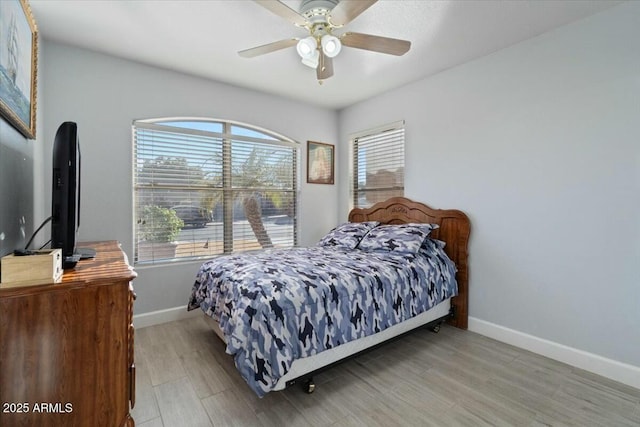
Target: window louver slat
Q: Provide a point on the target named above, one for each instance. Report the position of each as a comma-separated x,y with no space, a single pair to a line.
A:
378,164
215,177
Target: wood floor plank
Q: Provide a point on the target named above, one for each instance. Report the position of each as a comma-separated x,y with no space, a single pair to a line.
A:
227,408
255,403
159,354
350,421
605,384
370,402
420,397
379,373
146,405
606,398
281,414
493,408
558,413
156,422
536,379
465,416
189,335
180,406
597,404
454,378
319,409
163,369
205,373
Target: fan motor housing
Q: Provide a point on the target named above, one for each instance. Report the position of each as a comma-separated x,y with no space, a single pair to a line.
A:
317,10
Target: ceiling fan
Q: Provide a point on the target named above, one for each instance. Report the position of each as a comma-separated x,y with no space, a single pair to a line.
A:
320,18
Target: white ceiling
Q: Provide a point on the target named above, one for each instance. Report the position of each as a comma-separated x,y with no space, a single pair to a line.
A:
203,37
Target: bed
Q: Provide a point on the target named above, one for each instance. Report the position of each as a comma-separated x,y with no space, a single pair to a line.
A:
287,314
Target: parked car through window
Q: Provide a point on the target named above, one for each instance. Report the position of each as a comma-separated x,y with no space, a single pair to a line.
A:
194,216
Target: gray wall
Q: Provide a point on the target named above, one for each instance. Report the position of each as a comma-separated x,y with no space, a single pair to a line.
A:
540,145
16,188
104,95
21,172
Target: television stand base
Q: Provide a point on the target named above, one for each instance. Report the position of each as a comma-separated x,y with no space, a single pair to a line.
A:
85,253
70,261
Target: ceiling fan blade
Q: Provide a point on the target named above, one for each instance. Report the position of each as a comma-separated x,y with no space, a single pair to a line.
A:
283,11
376,43
325,67
346,11
267,48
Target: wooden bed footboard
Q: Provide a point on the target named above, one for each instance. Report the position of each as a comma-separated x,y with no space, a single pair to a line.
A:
455,228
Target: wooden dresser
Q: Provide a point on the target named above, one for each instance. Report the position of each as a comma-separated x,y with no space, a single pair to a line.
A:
66,349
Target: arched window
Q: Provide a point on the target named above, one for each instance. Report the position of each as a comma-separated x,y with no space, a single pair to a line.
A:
206,187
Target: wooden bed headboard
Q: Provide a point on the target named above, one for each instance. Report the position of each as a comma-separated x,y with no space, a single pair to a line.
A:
454,230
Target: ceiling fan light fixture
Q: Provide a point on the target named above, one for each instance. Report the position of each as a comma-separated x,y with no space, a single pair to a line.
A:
331,45
312,60
306,47
320,18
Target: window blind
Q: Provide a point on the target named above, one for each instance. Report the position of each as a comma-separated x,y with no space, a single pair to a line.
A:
206,188
378,164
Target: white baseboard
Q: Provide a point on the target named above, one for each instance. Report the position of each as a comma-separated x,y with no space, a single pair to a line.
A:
609,368
164,316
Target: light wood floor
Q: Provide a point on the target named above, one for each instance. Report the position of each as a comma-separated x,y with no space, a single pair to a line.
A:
454,378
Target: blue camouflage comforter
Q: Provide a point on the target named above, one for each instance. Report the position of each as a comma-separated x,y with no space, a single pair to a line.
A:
279,305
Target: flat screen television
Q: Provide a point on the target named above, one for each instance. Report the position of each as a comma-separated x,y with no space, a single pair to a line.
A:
65,195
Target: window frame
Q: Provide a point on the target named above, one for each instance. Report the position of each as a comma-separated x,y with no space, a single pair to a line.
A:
377,132
227,188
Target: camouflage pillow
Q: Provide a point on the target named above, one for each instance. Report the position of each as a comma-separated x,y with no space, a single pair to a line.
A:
431,245
347,235
404,238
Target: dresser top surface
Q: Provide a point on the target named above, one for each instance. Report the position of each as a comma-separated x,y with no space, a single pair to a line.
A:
109,265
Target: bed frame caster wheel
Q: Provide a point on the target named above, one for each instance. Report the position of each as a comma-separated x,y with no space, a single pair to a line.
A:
308,386
435,329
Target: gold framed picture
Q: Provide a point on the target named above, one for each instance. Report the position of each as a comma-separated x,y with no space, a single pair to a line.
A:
18,65
320,163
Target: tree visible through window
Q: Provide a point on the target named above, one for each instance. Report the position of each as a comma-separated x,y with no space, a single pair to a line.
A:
378,164
206,187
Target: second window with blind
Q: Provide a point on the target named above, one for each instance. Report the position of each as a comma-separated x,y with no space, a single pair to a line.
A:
206,187
378,164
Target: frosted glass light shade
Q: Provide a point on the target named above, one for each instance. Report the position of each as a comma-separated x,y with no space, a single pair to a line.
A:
312,61
306,47
331,45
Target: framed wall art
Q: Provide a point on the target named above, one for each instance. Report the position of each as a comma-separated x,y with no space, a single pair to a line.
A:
18,65
320,163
